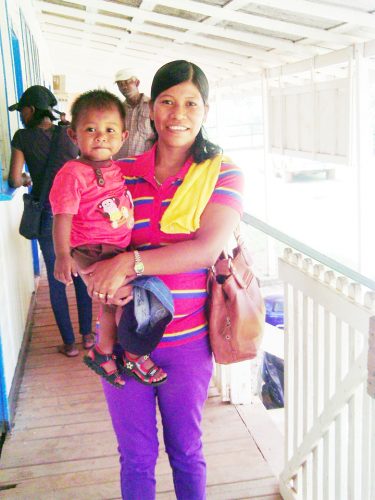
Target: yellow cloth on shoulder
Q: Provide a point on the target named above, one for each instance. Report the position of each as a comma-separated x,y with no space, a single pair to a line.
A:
185,210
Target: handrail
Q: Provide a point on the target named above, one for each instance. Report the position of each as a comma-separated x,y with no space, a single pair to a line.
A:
306,250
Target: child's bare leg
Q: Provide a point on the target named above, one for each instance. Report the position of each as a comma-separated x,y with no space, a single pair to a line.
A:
108,330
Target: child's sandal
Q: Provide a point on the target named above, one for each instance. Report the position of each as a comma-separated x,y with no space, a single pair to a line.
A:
97,364
135,368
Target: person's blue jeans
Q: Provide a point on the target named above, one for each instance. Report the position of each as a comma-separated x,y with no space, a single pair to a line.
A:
57,290
181,400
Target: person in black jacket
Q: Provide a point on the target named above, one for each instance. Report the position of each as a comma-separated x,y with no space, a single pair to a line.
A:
63,121
31,145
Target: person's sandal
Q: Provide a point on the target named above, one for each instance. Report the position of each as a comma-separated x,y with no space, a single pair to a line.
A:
97,363
135,368
88,340
68,350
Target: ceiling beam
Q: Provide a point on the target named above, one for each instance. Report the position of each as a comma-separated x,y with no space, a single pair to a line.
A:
262,22
236,48
323,10
136,21
213,72
261,56
139,36
237,52
167,20
90,20
238,64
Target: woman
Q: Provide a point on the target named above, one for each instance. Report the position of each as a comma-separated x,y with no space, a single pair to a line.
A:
31,145
178,108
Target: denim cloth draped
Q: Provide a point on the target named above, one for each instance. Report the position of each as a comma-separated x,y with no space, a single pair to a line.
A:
144,319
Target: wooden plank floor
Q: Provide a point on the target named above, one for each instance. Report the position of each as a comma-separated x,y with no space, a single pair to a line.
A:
62,445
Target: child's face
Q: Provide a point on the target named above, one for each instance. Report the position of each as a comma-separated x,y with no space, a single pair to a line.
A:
99,134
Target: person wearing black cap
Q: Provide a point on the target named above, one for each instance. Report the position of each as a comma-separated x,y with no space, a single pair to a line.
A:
31,145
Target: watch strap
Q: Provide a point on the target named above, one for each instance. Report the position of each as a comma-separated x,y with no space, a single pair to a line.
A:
138,264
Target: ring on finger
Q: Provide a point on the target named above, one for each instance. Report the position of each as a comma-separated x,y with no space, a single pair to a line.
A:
101,295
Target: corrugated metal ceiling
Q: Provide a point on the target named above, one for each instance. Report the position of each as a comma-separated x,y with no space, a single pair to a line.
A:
227,38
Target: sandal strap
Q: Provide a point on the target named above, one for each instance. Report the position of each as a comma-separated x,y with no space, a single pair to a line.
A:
97,364
102,358
114,376
137,365
154,370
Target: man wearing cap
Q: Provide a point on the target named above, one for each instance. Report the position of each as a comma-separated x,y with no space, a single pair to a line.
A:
137,115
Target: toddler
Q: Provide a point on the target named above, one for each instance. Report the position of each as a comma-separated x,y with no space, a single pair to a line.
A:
93,218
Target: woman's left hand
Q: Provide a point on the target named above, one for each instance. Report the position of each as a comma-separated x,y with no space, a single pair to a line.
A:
107,276
123,295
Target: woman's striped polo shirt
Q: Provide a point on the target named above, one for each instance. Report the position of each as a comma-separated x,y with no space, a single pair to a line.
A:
189,290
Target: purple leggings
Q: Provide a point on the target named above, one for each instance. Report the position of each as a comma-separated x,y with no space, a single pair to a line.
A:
181,400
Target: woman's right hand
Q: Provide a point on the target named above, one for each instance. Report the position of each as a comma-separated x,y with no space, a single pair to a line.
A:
107,276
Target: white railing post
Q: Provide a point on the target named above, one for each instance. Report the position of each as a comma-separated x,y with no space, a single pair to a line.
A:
329,376
371,359
236,382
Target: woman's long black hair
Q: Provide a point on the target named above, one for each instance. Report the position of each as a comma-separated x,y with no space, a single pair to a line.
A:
39,116
176,72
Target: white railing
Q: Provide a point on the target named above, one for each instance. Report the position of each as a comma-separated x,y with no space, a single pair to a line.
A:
329,390
329,377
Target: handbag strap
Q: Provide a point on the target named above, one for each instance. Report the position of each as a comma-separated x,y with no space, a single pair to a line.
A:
241,248
240,240
242,245
237,264
47,180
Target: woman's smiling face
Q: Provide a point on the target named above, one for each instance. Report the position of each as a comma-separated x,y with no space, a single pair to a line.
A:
178,114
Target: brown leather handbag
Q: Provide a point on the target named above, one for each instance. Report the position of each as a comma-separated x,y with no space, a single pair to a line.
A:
235,306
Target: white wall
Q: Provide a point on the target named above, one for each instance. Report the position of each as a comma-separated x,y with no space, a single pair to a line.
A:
16,266
17,284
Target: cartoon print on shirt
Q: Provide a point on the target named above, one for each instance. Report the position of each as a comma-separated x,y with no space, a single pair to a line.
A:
117,215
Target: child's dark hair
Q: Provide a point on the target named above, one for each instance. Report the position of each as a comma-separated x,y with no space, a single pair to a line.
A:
176,72
95,99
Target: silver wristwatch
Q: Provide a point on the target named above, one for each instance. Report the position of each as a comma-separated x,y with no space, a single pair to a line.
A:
138,264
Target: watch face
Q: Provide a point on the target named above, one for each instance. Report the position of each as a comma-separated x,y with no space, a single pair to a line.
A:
139,267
